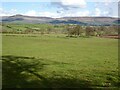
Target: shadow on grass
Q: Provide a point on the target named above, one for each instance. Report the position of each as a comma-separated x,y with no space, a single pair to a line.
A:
22,72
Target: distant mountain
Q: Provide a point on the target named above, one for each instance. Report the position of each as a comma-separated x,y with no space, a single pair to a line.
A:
25,19
64,20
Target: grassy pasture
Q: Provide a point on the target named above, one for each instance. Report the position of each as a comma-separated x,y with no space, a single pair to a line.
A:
31,61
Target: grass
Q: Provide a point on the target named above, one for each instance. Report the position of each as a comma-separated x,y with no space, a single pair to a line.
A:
59,61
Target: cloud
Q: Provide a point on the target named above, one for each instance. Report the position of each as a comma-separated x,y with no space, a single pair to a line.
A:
3,13
49,14
7,13
74,3
69,8
70,4
67,14
84,13
31,13
97,12
42,14
106,13
77,14
106,8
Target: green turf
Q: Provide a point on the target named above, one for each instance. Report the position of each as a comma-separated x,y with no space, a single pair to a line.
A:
59,61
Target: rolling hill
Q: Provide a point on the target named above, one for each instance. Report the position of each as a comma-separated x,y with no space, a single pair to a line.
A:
64,20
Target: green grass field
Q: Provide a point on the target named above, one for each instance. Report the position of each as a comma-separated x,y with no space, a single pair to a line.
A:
35,61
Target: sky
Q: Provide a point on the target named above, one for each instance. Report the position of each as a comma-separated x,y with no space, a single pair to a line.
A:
60,8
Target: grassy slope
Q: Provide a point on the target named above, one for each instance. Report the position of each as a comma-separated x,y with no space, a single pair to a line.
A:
64,62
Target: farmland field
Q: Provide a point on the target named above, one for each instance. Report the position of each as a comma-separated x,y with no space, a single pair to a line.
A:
41,61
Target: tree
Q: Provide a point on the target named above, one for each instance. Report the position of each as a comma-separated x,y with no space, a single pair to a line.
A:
89,31
75,30
100,30
78,30
116,29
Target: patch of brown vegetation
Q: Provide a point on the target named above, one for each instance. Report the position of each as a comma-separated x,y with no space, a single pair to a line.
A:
112,36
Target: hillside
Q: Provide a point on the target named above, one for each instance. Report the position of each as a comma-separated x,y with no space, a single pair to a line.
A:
64,20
